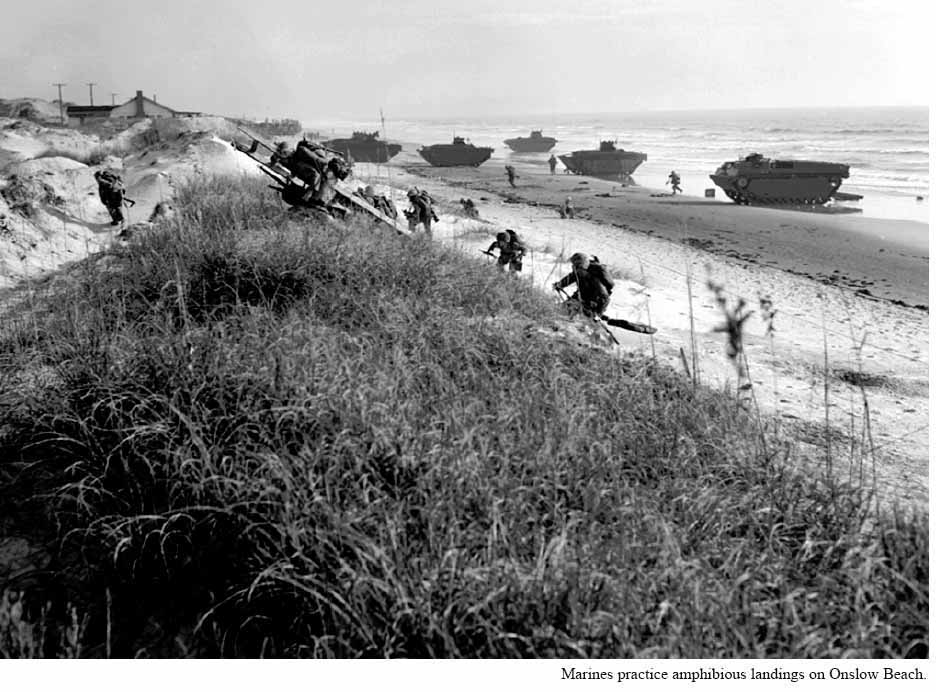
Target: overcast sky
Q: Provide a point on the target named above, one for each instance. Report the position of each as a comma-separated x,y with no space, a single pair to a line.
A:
315,59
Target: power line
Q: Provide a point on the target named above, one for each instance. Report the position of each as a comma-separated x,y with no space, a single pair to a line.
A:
61,105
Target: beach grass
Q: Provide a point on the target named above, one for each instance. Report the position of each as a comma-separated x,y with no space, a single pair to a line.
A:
253,433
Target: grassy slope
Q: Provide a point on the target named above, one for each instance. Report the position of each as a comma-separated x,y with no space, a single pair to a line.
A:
259,435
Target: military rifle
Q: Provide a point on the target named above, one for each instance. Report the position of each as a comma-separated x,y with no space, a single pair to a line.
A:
257,140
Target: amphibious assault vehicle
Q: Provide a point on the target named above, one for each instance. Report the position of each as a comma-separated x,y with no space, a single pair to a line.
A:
773,181
458,153
606,162
535,143
365,147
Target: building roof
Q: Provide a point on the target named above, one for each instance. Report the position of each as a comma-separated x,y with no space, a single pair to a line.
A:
148,100
89,110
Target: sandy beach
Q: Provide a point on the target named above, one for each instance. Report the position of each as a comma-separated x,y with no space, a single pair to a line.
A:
850,296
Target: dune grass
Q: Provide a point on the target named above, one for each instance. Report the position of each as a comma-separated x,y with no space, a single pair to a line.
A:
256,434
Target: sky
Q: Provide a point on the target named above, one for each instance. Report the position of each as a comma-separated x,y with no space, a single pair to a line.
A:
312,59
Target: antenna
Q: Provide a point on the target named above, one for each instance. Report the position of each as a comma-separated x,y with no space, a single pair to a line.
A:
61,106
91,92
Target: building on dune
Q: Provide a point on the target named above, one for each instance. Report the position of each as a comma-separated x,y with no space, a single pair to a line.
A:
137,107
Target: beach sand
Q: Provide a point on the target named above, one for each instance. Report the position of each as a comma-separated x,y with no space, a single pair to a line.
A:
842,287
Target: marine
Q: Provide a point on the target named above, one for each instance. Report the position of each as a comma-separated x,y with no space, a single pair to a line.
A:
421,211
111,191
379,202
552,164
468,208
315,166
512,250
673,179
511,175
567,211
593,286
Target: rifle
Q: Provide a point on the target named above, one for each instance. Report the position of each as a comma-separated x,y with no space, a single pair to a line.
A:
631,326
131,202
488,253
257,140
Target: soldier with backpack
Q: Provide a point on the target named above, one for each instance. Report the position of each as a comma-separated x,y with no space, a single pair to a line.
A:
315,166
421,211
512,250
593,286
111,191
673,180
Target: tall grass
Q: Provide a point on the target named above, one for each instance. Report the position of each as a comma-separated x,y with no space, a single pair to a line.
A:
273,436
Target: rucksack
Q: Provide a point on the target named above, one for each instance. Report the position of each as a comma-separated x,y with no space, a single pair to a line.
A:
598,270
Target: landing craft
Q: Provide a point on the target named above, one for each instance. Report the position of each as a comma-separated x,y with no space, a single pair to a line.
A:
365,147
758,180
535,143
458,153
606,162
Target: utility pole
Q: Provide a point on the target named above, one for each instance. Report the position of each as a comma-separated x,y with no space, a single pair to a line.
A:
91,91
61,105
113,96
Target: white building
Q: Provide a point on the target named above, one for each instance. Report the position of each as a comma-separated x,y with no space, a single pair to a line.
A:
137,107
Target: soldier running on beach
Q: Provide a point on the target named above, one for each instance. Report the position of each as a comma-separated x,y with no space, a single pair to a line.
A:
512,250
674,180
552,164
511,175
593,286
111,191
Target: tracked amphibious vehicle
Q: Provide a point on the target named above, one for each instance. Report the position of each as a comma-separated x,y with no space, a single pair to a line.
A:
365,147
758,180
458,153
533,144
606,162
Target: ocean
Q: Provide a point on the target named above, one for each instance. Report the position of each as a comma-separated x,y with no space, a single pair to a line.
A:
886,148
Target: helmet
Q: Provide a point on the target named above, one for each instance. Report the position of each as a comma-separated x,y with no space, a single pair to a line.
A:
502,235
369,191
580,258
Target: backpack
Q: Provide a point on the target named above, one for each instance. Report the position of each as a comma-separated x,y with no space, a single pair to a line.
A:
597,270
